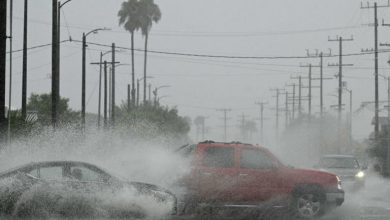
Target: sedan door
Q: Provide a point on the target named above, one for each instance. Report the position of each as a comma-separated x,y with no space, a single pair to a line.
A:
88,179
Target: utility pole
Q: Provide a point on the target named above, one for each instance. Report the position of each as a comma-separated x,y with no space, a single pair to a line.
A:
287,111
388,126
293,99
243,131
300,97
150,92
293,104
3,52
83,71
105,94
350,116
340,75
83,79
100,63
59,5
310,87
54,59
225,118
375,7
278,93
113,85
11,9
137,92
110,92
388,111
100,88
24,68
321,78
310,91
261,105
128,97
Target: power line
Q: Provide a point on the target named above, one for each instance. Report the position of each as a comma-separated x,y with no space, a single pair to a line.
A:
204,55
211,34
37,47
228,56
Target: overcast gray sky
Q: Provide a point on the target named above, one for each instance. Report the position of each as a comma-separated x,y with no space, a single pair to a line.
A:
199,86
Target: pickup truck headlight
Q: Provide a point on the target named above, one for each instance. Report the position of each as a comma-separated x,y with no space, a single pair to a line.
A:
360,174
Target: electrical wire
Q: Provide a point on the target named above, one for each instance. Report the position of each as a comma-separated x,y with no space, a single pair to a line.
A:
37,46
231,57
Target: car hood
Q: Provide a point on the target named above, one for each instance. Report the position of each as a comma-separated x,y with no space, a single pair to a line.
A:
341,172
301,175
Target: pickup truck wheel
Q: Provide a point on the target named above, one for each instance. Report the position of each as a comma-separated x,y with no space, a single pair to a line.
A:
308,203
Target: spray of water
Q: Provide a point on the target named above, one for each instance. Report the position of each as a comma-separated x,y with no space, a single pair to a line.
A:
126,157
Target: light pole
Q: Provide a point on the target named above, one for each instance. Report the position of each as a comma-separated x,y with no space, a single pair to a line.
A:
100,81
155,91
138,80
60,5
84,46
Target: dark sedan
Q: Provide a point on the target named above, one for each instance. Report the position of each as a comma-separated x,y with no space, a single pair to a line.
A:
78,189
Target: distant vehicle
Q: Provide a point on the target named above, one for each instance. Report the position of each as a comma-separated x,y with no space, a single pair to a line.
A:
73,189
244,176
347,167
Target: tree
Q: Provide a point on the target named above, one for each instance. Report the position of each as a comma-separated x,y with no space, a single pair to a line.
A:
149,13
248,128
40,104
199,122
129,17
148,122
378,150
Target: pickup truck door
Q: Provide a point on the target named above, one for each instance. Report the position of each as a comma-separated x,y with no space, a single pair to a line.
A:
258,176
218,174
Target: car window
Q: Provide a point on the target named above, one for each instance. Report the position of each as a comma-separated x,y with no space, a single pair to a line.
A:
85,174
188,151
255,159
333,162
50,173
34,173
218,157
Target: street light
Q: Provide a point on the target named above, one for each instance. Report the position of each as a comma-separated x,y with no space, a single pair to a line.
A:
84,46
60,5
138,80
155,91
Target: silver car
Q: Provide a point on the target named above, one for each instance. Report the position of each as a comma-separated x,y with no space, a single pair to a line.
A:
347,167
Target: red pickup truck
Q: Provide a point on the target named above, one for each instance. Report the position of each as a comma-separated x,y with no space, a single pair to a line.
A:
237,175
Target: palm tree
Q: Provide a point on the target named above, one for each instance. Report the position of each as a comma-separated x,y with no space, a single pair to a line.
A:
129,17
149,12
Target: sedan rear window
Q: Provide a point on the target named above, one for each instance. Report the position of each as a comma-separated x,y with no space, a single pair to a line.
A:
218,157
51,173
